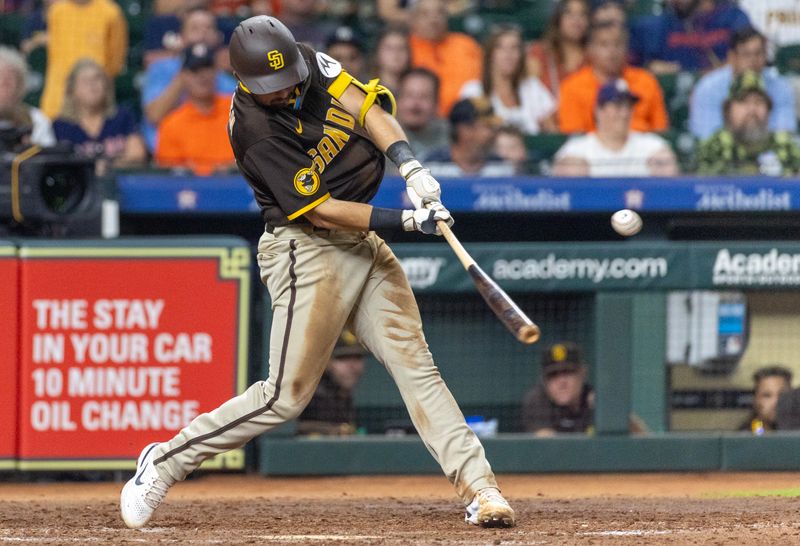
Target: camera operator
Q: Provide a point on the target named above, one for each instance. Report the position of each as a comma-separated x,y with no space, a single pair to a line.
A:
21,125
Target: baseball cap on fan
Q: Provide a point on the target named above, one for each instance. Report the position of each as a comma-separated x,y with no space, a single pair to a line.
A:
616,91
345,35
470,110
347,345
197,56
562,357
748,82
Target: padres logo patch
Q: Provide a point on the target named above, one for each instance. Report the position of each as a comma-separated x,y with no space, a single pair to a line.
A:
559,353
275,59
306,181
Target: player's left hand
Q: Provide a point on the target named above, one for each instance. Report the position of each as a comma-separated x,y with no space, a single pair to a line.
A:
426,220
422,188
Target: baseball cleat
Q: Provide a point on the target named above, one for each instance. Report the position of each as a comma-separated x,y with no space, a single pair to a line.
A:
489,509
143,493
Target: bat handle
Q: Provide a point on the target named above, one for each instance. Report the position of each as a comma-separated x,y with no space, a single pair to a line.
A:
455,244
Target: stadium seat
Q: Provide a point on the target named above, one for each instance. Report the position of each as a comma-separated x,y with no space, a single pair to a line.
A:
787,59
645,7
677,90
531,16
127,91
541,149
37,65
684,144
11,28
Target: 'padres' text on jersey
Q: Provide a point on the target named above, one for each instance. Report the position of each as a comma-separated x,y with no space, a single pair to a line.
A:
294,159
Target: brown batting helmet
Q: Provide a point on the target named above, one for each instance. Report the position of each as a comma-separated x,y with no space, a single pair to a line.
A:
265,56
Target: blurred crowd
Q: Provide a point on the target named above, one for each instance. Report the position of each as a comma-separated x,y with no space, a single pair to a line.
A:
603,88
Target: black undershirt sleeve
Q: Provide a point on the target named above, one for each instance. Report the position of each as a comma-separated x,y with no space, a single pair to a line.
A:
385,219
400,152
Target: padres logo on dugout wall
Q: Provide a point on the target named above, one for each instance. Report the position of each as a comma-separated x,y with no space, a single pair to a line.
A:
275,59
306,181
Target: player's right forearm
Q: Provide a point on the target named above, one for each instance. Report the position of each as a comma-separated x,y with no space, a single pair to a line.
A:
342,215
157,109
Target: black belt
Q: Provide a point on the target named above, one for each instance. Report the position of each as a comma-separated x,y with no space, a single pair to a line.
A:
303,225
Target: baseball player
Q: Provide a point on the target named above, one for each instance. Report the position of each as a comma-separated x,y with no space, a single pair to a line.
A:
310,140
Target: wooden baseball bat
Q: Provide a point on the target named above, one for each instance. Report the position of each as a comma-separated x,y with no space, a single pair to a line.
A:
517,322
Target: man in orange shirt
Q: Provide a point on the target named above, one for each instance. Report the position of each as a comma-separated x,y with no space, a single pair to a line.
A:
194,135
607,50
454,57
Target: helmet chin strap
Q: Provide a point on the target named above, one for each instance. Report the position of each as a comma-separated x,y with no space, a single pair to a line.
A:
299,94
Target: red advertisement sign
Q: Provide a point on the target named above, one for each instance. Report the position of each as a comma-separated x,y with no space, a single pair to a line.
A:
9,288
121,347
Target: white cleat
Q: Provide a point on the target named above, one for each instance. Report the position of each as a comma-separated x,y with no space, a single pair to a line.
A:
489,509
143,493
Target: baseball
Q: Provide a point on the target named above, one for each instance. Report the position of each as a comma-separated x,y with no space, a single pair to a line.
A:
626,222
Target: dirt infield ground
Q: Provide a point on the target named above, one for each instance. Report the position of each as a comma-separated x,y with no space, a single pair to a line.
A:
712,508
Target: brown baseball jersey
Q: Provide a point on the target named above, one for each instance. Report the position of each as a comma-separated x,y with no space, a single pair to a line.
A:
292,157
323,281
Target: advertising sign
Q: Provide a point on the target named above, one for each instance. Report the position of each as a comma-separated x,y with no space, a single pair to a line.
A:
123,346
8,355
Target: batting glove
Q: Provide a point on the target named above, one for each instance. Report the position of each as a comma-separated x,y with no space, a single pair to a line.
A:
421,187
425,220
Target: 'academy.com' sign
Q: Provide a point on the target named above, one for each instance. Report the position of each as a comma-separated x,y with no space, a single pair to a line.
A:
629,265
770,268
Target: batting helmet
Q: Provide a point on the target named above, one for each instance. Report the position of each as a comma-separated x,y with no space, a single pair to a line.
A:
265,56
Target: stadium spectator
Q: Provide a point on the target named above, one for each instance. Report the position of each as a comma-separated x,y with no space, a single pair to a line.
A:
347,48
331,410
78,29
607,52
560,52
34,29
608,12
164,85
236,9
562,401
16,6
473,128
171,7
302,18
745,145
769,383
194,136
509,145
748,51
417,112
20,124
518,100
399,12
263,7
454,57
613,149
787,413
391,58
690,35
778,20
92,122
